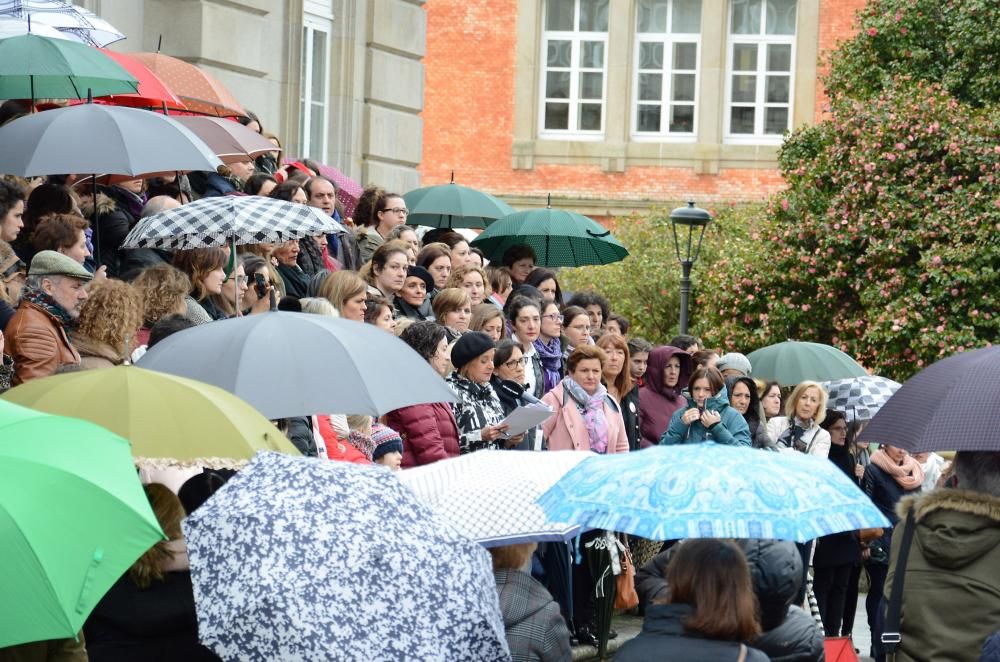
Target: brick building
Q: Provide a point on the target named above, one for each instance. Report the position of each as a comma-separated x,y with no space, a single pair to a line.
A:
615,105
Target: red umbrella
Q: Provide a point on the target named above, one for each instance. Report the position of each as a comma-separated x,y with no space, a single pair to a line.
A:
153,92
199,90
348,190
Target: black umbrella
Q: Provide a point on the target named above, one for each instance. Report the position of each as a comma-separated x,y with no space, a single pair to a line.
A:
601,585
950,405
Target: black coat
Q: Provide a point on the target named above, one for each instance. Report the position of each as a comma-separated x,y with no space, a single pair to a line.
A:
840,548
631,417
885,493
663,638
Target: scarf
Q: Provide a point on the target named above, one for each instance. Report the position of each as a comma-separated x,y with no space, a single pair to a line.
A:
592,410
909,475
551,355
49,305
362,442
793,436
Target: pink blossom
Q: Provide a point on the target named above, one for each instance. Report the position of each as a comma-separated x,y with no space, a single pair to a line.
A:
805,307
900,146
784,204
872,32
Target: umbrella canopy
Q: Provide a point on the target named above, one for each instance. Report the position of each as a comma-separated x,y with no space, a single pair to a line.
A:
13,27
226,219
231,141
489,496
75,22
152,92
320,365
711,491
859,398
73,518
791,362
949,405
454,206
348,190
200,91
37,67
162,415
293,559
559,238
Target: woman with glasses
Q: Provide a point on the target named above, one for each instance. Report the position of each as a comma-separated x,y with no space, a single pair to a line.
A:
576,329
508,381
377,212
548,346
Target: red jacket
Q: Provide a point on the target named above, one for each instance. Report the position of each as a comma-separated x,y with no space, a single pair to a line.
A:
337,449
429,433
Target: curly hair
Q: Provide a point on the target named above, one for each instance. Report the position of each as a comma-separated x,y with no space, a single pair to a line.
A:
58,231
424,338
112,314
373,201
197,263
10,195
169,512
162,288
458,277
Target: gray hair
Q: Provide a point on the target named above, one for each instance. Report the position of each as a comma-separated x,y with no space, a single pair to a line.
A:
978,471
318,306
157,204
397,231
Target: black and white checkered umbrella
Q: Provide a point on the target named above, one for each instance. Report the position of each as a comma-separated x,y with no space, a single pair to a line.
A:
226,219
859,397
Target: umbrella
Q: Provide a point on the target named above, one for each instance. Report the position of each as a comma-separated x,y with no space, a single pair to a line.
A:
711,491
75,22
791,362
489,496
296,364
559,238
299,559
200,91
453,206
949,405
162,415
73,518
13,27
348,190
859,397
37,67
230,140
152,92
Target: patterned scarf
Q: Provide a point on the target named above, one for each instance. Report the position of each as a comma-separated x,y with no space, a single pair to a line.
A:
38,297
362,442
551,355
592,410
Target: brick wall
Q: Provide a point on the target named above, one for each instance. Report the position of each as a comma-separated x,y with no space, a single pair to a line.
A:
836,23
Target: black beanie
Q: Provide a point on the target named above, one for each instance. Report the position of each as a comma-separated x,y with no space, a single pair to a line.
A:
468,347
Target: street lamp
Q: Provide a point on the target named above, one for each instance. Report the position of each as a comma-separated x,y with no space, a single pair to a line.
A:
690,218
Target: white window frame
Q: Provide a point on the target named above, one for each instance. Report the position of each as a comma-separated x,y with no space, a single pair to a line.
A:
310,26
575,37
761,40
668,39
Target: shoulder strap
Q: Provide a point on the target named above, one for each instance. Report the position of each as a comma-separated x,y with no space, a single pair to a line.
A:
743,653
891,637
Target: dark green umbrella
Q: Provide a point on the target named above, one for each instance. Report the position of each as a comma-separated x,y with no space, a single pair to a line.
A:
453,206
560,238
791,362
37,67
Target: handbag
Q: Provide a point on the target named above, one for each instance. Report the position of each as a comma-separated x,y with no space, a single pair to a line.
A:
625,596
867,535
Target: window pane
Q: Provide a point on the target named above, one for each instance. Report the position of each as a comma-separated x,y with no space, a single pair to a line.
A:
777,89
650,87
746,17
559,53
652,16
318,66
685,56
775,120
590,117
591,85
649,119
744,57
779,57
557,85
686,17
556,115
592,54
317,131
559,15
741,120
650,55
744,89
593,15
780,17
683,88
681,119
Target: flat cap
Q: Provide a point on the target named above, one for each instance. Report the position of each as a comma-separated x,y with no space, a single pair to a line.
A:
53,263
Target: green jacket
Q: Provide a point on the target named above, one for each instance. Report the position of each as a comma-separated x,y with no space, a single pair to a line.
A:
732,429
951,594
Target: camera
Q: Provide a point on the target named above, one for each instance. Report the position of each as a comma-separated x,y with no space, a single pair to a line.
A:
260,284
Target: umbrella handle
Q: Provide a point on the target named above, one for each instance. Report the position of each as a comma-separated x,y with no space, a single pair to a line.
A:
598,234
88,580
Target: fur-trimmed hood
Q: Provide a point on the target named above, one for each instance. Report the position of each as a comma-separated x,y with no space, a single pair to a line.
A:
954,527
105,205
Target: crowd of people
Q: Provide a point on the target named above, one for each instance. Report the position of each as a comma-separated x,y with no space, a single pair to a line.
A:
502,334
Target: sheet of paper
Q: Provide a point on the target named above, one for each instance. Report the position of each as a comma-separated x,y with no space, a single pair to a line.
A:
526,417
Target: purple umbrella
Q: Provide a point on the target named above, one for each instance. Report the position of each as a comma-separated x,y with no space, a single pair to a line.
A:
348,190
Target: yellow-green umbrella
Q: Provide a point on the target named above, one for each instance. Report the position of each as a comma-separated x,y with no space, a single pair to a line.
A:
163,416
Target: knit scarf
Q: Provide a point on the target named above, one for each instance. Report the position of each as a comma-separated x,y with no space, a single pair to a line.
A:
49,305
362,442
592,410
551,355
909,475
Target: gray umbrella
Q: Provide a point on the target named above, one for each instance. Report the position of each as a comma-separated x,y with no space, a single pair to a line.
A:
295,364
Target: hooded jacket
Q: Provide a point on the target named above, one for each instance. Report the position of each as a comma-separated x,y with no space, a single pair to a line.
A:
951,593
534,627
759,438
731,430
657,403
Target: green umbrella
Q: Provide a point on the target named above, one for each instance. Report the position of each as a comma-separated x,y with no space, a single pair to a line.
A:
453,206
73,518
36,67
791,362
162,415
560,238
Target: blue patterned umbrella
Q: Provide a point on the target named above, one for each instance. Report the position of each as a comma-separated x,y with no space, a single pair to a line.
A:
711,491
304,559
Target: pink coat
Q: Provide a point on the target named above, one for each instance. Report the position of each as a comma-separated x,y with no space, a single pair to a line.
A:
565,431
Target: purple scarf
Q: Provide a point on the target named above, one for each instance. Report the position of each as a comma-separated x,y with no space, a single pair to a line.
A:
593,415
551,355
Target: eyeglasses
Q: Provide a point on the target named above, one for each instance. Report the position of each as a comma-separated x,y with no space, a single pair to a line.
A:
242,280
399,210
555,317
513,363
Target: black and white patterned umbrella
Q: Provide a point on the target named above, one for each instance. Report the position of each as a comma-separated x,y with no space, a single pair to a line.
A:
859,397
226,219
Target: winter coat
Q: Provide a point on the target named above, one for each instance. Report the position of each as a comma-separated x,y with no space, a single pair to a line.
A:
6,372
429,433
38,343
209,184
95,354
951,593
632,417
565,430
839,548
71,649
816,439
535,630
477,407
509,403
759,438
731,429
885,493
195,312
663,637
368,242
117,212
421,313
296,281
133,261
310,258
657,402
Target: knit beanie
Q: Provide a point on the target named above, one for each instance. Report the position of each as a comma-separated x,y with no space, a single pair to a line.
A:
386,440
468,347
734,361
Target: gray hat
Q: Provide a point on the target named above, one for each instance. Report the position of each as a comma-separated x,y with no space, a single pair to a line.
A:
734,361
53,263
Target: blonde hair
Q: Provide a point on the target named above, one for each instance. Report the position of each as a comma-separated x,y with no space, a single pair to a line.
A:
162,288
318,306
403,324
457,277
341,286
169,513
487,312
798,391
512,557
449,300
111,314
360,423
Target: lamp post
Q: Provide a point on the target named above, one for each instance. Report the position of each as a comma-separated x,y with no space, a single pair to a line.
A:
689,218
